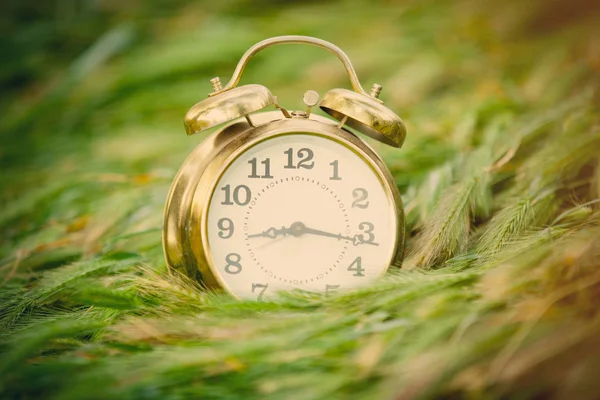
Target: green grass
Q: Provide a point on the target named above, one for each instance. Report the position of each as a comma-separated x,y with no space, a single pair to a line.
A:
500,176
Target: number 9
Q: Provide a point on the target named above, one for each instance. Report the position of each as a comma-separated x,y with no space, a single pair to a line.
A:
226,228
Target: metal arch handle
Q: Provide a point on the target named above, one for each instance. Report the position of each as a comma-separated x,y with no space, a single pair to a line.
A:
290,39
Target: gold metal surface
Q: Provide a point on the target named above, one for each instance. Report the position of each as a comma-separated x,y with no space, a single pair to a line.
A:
185,238
310,99
365,115
226,107
175,238
291,39
358,109
375,90
216,84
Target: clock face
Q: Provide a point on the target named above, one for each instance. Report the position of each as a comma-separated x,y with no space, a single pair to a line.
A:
299,211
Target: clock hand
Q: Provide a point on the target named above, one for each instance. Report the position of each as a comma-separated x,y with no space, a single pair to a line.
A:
358,239
326,234
298,229
272,233
269,243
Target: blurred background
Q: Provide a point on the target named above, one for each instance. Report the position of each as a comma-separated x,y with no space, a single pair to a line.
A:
93,94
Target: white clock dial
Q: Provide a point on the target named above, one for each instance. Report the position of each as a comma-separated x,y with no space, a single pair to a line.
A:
299,211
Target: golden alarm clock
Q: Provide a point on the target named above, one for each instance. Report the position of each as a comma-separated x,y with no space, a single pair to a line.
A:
280,200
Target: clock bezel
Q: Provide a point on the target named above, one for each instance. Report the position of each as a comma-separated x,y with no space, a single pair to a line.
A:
205,166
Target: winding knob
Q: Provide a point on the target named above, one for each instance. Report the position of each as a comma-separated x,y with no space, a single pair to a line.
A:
311,98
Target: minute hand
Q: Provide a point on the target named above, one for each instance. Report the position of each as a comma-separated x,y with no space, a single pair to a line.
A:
321,233
357,239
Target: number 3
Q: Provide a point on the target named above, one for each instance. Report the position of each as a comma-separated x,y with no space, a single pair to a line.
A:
367,229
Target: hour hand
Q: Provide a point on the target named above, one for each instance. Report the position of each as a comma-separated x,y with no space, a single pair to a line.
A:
272,233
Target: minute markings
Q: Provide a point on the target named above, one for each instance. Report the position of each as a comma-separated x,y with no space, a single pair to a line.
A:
337,209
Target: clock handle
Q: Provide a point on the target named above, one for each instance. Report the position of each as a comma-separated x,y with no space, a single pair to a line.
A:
239,69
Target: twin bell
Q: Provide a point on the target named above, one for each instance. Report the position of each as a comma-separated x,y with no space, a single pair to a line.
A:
356,108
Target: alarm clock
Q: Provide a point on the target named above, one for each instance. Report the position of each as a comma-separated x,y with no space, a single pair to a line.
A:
280,200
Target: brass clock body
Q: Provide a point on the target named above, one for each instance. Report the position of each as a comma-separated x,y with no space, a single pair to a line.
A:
282,200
